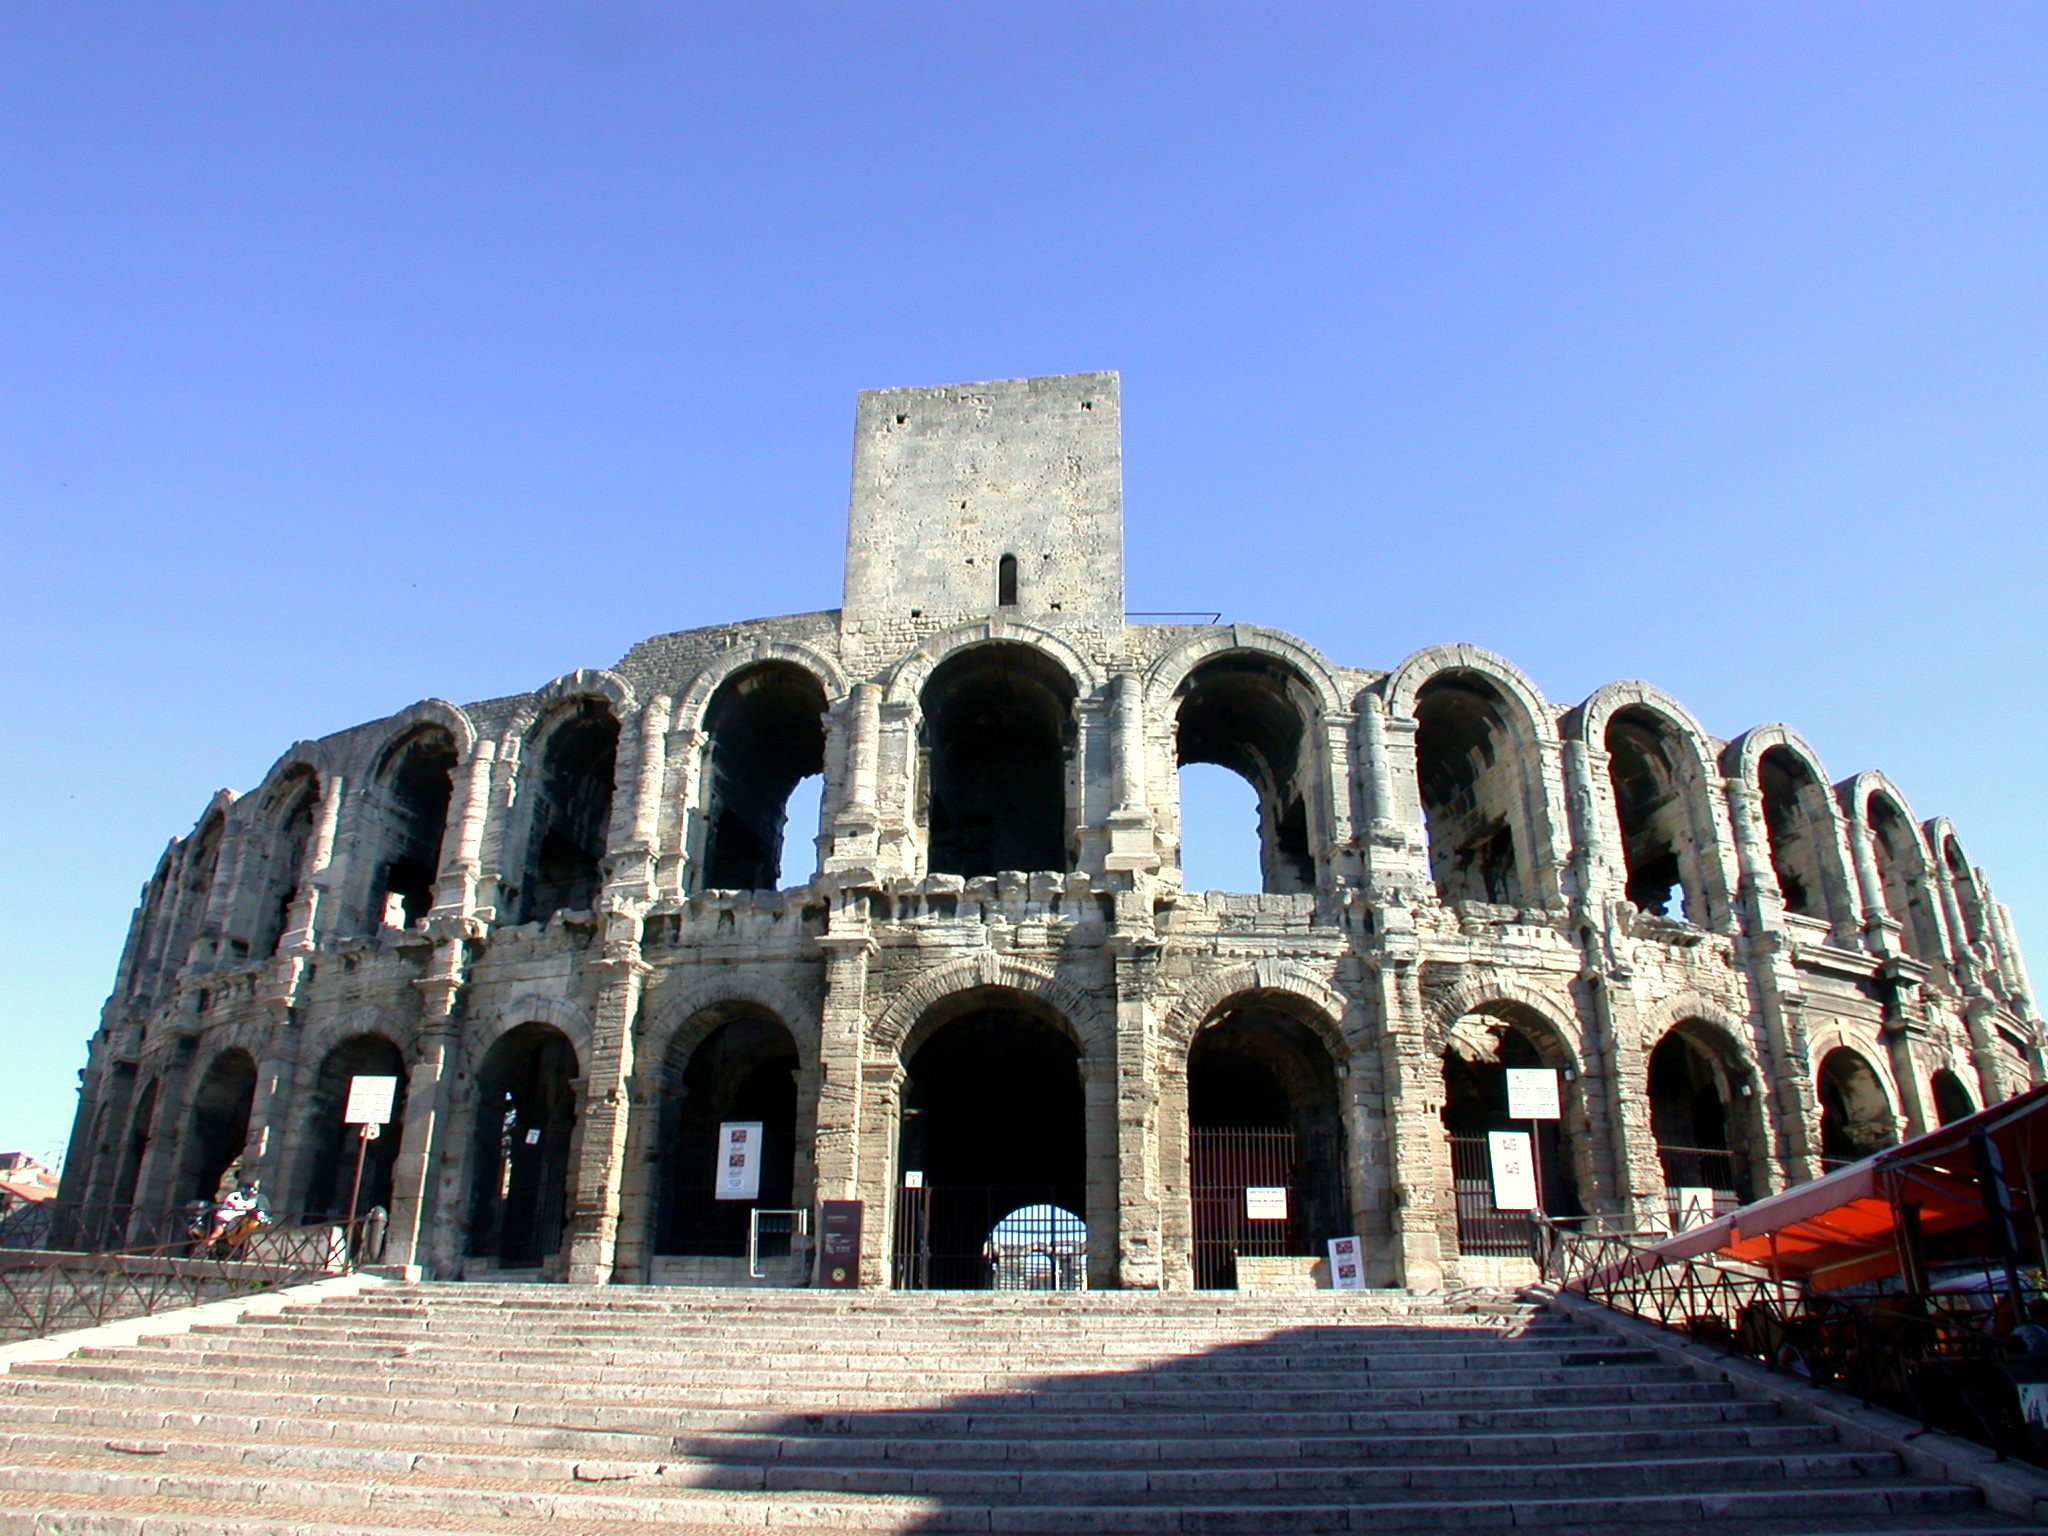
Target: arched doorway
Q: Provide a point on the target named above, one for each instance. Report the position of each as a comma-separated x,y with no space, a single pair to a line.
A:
331,1172
767,730
1702,1144
1469,764
141,1127
1266,1165
570,808
1952,1100
717,1073
992,1126
1650,802
1249,714
525,1123
1855,1111
219,1125
410,793
1479,1050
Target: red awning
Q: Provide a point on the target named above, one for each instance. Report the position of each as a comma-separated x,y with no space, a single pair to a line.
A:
1841,1229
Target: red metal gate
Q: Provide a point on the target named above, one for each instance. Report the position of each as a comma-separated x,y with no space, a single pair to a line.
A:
1222,1165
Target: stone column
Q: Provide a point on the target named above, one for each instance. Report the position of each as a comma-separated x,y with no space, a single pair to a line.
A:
858,818
842,1025
420,1149
154,1180
595,1201
1131,844
1418,1153
1139,1247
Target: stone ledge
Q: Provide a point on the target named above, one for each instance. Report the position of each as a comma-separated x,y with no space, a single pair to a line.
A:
2009,1487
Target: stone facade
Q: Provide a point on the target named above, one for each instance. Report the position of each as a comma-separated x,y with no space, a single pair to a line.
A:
548,915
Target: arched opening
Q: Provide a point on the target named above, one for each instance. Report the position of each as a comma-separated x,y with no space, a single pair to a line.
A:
1795,822
1969,899
141,1126
998,732
1250,714
1855,1111
1006,582
1263,1115
331,1168
992,1124
289,818
1952,1100
219,1125
525,1122
1470,782
185,910
572,811
1478,1053
742,1070
1896,848
413,785
767,730
1698,1123
1649,800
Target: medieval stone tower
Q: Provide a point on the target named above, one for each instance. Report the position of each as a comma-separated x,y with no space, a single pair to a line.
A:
553,917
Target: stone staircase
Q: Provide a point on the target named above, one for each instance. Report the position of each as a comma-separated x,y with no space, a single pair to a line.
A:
524,1409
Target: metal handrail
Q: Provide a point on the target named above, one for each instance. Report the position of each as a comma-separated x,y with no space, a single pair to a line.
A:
52,1291
1944,1358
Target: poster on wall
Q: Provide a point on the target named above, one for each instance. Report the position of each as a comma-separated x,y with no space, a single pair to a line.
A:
739,1160
1514,1170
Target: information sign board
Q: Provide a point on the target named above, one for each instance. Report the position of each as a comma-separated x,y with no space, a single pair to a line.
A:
369,1101
1514,1170
739,1160
1264,1202
1532,1094
1347,1264
839,1244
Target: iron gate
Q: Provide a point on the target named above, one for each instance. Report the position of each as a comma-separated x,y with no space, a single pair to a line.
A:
1481,1228
1222,1165
990,1238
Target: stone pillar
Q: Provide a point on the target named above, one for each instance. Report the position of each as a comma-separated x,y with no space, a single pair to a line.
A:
600,1164
858,819
154,1180
1139,1246
1379,785
1419,1155
842,1025
462,845
420,1149
1131,843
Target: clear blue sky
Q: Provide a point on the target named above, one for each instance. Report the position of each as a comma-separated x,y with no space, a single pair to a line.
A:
353,354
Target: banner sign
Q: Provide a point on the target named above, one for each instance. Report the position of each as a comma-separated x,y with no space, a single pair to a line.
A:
369,1100
1514,1170
1347,1268
739,1160
1265,1202
1532,1094
839,1244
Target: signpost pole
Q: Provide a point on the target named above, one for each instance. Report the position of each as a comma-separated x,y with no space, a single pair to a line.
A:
355,1193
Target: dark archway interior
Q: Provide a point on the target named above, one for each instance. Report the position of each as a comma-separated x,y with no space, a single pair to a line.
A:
1469,788
220,1122
1968,900
291,824
525,1119
418,778
1952,1101
1649,802
998,730
993,1119
1855,1112
1789,791
767,729
1476,1102
572,810
745,1069
1255,1071
1895,846
1691,1120
141,1126
202,866
331,1176
1248,714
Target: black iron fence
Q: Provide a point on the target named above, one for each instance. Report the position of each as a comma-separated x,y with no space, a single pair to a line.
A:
1224,1164
49,1291
1947,1358
1482,1229
990,1238
1716,1169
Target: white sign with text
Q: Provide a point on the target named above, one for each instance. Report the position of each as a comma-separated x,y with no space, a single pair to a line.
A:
1265,1202
1514,1170
369,1100
1347,1266
1532,1094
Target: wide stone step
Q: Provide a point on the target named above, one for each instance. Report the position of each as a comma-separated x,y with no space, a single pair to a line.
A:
395,1501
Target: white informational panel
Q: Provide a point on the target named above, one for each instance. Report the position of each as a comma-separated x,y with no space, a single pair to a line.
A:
739,1160
1695,1206
1532,1094
1514,1170
369,1101
913,1178
1265,1202
1347,1267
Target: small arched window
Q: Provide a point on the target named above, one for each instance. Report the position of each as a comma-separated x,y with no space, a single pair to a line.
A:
1006,581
